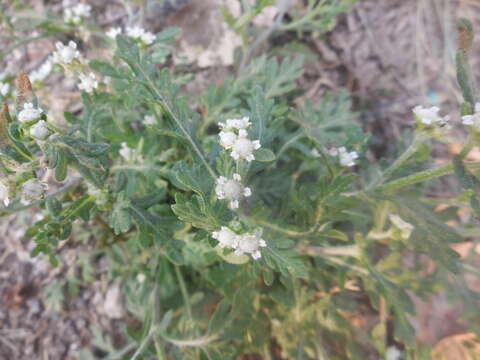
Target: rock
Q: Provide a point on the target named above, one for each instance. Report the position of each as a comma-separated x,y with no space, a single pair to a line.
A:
113,304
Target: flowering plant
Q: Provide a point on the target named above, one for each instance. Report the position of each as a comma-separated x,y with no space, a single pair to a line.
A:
263,215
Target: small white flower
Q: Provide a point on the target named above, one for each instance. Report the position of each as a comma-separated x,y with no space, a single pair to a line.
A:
76,14
429,116
148,38
4,193
65,54
149,120
42,72
4,87
473,120
126,152
250,243
243,147
227,139
226,237
113,32
39,130
138,33
346,158
141,278
232,190
29,113
316,154
393,353
33,190
236,124
88,82
404,227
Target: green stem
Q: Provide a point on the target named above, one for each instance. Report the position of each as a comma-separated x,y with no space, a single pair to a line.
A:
467,148
412,149
415,178
183,289
187,135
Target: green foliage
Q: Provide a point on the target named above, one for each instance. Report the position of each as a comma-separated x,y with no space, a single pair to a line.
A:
222,255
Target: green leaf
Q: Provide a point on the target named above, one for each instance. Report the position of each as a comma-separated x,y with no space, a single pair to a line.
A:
195,211
61,165
54,206
127,50
264,155
218,321
268,277
105,68
121,221
287,262
192,178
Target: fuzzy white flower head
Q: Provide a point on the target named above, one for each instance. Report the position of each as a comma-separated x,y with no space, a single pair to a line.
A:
4,193
76,14
429,116
243,148
33,190
250,243
232,190
346,158
404,227
65,54
393,353
226,237
88,82
42,72
227,139
113,32
126,152
29,113
138,33
149,120
39,130
474,119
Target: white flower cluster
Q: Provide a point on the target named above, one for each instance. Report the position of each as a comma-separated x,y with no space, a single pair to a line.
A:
232,190
76,14
473,120
42,72
346,158
233,137
65,54
430,117
136,32
33,190
29,113
88,82
4,86
39,130
248,243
